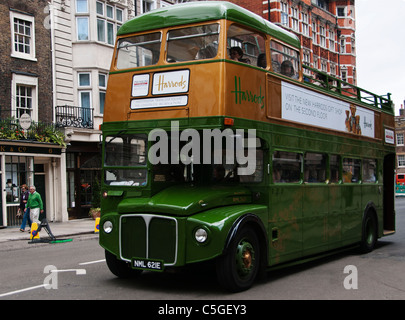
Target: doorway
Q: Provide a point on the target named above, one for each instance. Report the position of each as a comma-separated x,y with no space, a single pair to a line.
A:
39,179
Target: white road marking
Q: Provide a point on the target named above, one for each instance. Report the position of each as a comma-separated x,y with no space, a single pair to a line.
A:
91,262
22,290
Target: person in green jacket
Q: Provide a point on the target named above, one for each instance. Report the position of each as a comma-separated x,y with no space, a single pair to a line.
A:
35,204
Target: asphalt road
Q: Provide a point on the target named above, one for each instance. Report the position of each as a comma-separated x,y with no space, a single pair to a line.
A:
80,273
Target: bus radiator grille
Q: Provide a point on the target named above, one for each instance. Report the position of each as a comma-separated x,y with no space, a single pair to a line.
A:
149,236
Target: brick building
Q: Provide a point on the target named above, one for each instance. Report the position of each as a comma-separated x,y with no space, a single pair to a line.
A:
26,91
326,29
25,60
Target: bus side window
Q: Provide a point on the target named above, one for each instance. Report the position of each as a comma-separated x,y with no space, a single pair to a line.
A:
369,171
248,45
315,168
284,60
351,170
287,167
334,164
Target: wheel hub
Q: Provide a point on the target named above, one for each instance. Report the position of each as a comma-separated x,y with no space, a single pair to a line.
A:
245,257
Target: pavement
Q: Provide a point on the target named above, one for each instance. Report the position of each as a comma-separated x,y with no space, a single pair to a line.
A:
58,229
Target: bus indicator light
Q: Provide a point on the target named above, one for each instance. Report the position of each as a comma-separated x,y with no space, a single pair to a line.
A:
229,121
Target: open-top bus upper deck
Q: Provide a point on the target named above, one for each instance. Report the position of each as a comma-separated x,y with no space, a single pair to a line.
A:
175,63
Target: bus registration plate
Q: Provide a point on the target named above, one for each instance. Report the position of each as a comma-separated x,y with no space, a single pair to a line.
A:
147,264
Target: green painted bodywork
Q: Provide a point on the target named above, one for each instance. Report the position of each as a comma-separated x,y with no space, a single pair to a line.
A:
172,201
195,12
301,220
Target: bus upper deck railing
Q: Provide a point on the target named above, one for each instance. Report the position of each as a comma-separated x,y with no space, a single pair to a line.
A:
320,79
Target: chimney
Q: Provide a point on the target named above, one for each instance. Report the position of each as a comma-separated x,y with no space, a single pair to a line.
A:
402,111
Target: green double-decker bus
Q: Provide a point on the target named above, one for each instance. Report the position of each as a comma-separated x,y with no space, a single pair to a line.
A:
219,145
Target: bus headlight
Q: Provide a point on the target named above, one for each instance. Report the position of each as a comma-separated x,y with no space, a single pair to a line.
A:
201,235
107,226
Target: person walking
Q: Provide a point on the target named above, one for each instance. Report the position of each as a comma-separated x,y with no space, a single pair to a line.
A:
35,205
23,204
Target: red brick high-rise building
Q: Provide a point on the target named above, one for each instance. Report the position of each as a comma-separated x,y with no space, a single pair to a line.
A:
326,28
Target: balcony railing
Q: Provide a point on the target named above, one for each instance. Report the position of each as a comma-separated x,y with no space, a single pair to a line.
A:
78,117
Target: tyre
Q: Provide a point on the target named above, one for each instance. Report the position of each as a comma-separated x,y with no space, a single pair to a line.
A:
120,268
237,269
369,233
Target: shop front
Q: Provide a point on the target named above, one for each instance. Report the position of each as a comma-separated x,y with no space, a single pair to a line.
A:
32,163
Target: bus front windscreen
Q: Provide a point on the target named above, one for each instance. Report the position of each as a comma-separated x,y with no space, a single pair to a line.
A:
138,51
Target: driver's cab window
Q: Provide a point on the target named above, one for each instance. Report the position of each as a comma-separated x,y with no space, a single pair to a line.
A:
246,46
230,168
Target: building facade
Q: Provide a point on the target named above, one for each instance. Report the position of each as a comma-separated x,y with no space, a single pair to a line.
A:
28,154
326,29
83,35
400,140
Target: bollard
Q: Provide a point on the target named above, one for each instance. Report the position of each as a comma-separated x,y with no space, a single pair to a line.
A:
97,226
34,231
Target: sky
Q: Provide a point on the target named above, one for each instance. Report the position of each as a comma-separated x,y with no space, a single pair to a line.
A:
380,48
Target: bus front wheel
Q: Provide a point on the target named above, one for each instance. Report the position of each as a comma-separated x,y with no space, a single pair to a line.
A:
120,268
237,269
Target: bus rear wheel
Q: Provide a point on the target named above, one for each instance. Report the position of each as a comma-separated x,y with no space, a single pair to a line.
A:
120,268
369,234
237,269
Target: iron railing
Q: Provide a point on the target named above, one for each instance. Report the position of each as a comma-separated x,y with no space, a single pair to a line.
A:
327,82
78,117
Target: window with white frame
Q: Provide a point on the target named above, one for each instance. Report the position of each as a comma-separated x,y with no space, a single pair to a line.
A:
322,36
321,3
295,19
342,45
102,87
82,20
284,14
109,20
22,36
331,40
401,160
82,6
324,65
148,5
314,36
306,60
400,139
24,92
305,26
353,46
333,69
84,85
316,59
341,11
344,75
